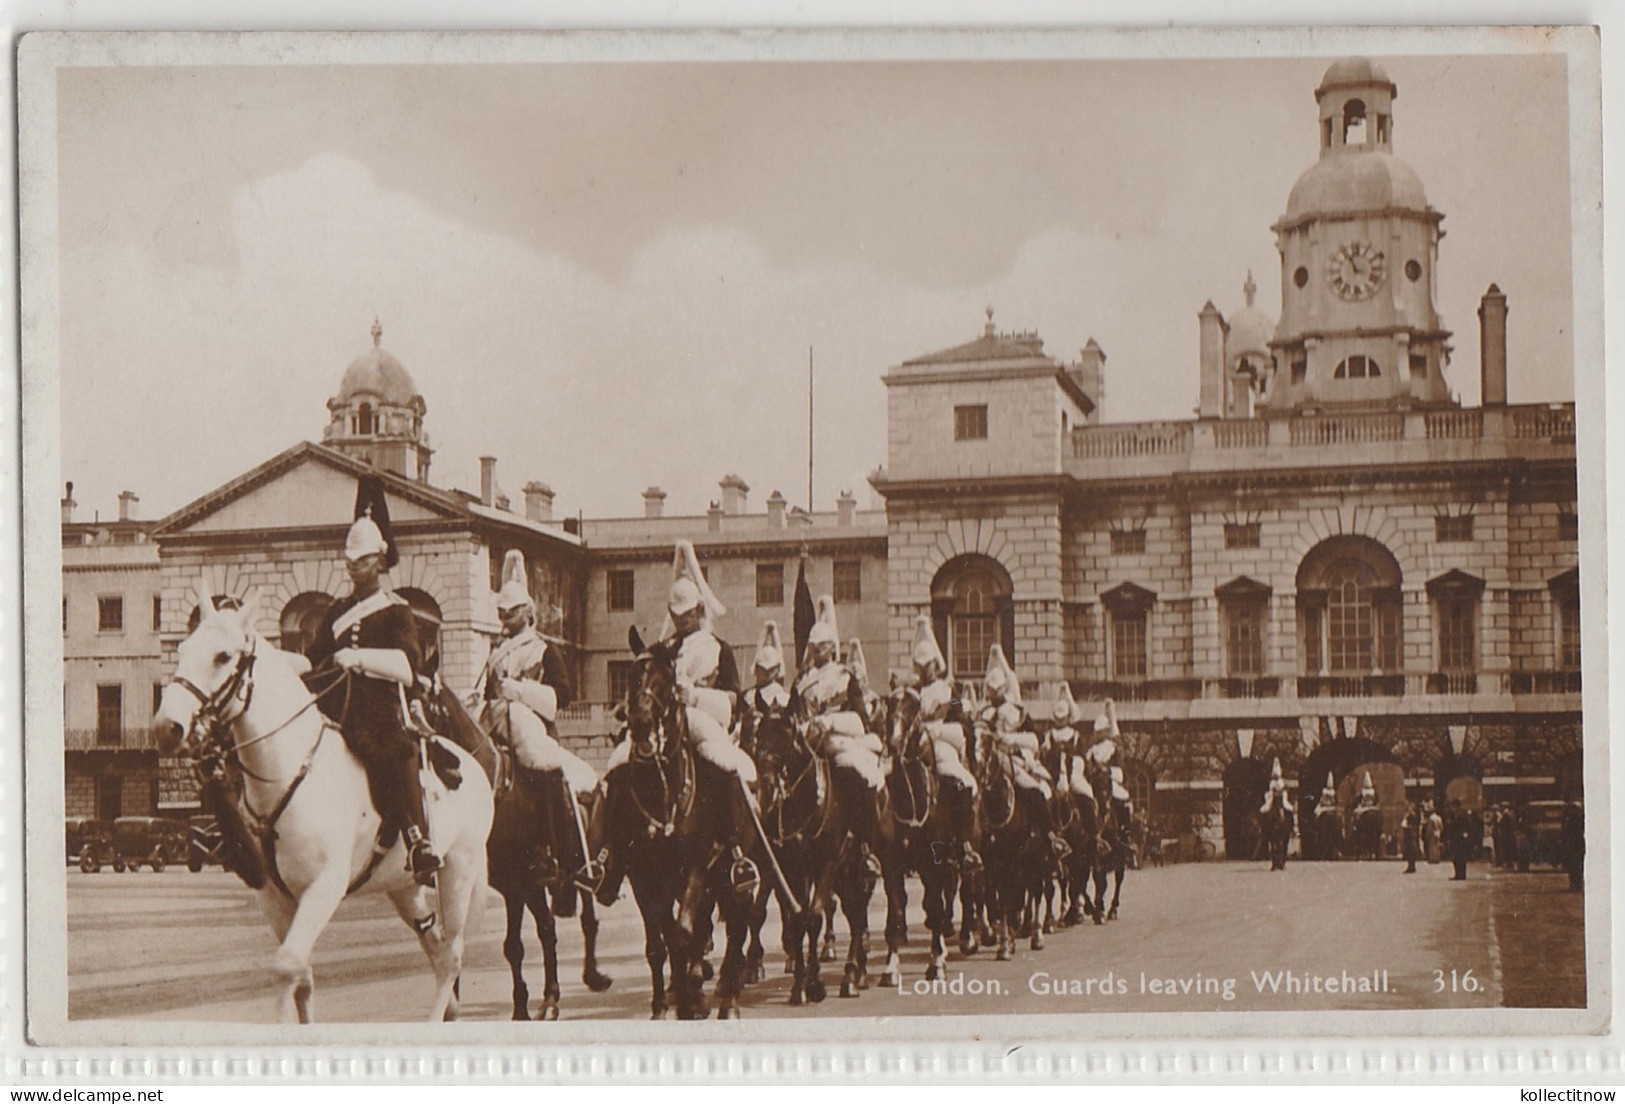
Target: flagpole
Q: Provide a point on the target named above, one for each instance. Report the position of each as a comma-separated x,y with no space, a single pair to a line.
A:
809,431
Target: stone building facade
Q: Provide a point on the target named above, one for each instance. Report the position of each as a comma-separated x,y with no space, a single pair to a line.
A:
1333,564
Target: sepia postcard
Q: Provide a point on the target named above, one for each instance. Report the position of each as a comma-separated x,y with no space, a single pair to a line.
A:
879,537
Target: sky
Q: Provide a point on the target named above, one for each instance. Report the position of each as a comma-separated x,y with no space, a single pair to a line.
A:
609,276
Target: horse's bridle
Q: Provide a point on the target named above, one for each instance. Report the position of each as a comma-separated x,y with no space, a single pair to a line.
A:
779,793
915,734
670,746
210,715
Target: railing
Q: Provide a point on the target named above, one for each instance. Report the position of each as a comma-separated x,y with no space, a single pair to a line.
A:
1452,682
1454,424
1346,429
1544,682
581,711
90,739
1552,423
1137,690
1112,442
1351,686
1263,687
1250,433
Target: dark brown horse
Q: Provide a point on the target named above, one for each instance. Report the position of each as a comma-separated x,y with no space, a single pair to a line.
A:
812,834
1275,828
1077,818
670,812
1115,839
923,839
1014,848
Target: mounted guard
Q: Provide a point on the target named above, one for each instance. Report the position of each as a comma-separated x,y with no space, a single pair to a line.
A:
371,634
828,701
523,686
708,682
943,716
1065,742
1277,790
1006,720
767,693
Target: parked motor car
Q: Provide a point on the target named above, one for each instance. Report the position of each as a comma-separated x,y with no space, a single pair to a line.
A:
90,844
1540,834
204,843
153,841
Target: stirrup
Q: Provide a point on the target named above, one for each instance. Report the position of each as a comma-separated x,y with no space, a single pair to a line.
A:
743,878
871,865
590,877
1059,846
970,862
423,862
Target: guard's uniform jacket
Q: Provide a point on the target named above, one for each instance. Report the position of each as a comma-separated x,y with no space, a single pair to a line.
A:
526,657
831,693
1067,744
1010,725
374,726
528,724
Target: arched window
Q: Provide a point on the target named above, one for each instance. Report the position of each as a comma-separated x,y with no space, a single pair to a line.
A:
971,611
1357,366
300,619
363,419
1349,608
1354,123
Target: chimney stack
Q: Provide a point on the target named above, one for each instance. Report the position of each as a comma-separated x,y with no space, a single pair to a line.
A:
68,505
1212,328
775,511
1492,347
488,480
713,518
126,505
1091,376
538,501
845,508
734,490
654,502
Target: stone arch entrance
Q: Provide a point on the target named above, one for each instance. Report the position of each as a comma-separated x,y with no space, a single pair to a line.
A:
1338,758
1246,781
972,608
429,619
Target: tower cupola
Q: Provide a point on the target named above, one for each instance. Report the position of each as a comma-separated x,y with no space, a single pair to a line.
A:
377,415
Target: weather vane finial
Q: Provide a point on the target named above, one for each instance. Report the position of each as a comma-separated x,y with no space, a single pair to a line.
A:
1249,289
989,328
377,331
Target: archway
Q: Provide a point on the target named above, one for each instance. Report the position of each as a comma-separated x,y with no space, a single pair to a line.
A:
971,610
1388,779
429,620
300,619
1246,781
1339,759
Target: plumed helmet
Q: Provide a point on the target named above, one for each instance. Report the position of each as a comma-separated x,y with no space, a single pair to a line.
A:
1001,678
688,586
1103,751
824,629
1330,787
927,653
1275,771
515,591
1064,705
769,650
1107,720
370,535
1367,787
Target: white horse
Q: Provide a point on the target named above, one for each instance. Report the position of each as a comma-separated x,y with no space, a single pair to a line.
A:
302,783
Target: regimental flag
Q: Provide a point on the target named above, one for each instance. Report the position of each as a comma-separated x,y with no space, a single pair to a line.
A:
805,613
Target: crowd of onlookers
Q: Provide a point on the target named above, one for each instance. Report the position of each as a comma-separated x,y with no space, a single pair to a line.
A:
1458,836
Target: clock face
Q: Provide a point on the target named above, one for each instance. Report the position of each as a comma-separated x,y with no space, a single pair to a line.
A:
1356,271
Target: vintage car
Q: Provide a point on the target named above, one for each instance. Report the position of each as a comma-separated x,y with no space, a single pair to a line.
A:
153,841
1540,834
90,844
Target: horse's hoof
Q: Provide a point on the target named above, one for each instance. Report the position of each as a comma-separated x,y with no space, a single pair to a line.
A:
827,954
815,991
847,992
521,1014
789,965
550,1012
1003,955
659,1014
596,981
865,981
1049,927
1112,915
1099,919
932,972
1037,942
796,999
753,973
968,946
888,980
728,1012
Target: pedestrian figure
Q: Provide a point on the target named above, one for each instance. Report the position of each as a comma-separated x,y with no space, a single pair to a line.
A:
1432,833
1573,844
1464,833
1411,838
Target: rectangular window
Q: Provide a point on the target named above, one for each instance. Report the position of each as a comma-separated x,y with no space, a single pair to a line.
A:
109,713
970,423
848,581
1568,628
1128,542
770,584
1244,639
110,613
1419,365
972,636
1128,645
622,591
157,612
1242,534
1300,369
1568,526
110,797
1458,634
1458,528
621,673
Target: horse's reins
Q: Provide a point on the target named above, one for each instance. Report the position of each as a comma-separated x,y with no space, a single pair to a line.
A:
915,733
675,805
820,812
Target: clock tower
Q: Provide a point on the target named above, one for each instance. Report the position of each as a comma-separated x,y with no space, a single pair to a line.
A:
1359,245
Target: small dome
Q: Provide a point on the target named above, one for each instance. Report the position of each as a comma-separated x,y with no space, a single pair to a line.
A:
1367,180
377,373
1357,70
1250,328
